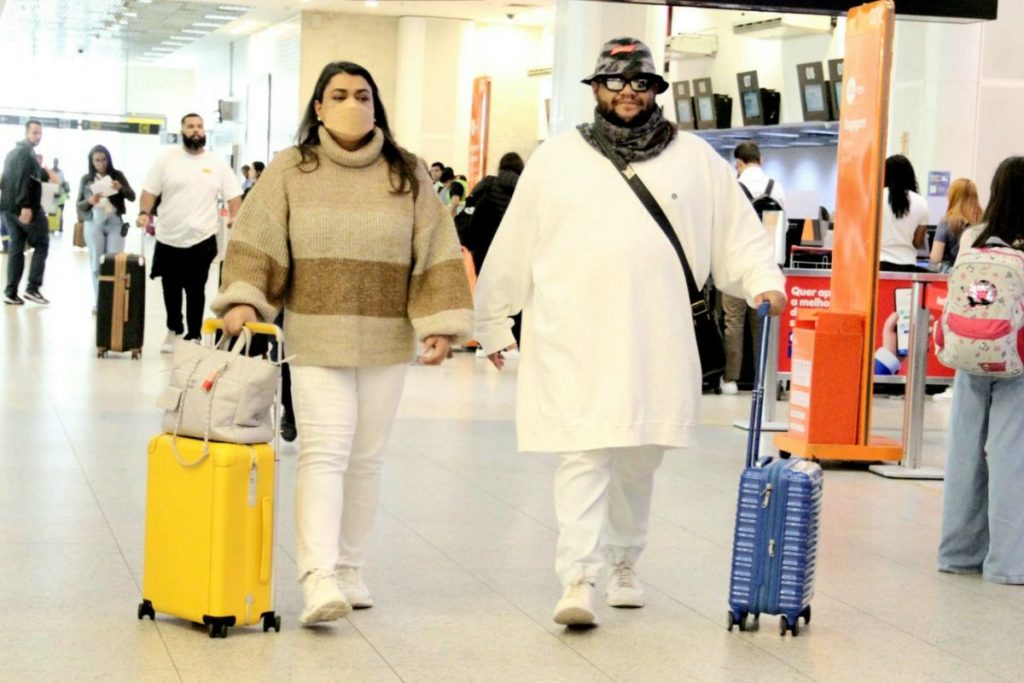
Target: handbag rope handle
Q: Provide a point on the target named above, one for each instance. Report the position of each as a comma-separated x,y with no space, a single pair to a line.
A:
237,351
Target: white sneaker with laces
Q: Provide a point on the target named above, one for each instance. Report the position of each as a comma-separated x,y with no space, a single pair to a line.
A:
323,600
729,388
576,608
351,584
624,586
170,341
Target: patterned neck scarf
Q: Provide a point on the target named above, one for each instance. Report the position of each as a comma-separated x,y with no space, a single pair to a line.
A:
633,144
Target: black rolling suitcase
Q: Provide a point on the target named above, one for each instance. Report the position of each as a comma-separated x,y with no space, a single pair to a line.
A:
121,308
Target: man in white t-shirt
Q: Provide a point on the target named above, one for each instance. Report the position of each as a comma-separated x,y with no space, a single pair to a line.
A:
767,195
188,182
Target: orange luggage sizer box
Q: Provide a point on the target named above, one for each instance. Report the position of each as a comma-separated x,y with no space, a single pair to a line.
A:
827,349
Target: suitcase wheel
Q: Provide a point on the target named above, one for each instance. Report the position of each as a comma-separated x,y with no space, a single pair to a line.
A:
271,621
739,622
146,610
101,353
806,614
136,354
785,626
218,629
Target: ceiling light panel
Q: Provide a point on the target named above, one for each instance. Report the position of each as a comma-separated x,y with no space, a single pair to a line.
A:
122,28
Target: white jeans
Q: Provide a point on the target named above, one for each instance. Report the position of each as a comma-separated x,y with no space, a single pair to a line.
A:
603,503
343,416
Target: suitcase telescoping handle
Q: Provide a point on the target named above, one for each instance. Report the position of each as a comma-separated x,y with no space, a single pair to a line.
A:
757,400
211,325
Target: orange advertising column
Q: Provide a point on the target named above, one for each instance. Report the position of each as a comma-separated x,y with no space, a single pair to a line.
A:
479,132
863,129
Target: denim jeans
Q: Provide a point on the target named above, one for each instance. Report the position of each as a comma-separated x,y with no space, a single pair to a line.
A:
102,236
983,510
35,234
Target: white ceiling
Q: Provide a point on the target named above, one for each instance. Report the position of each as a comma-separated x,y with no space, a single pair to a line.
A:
145,30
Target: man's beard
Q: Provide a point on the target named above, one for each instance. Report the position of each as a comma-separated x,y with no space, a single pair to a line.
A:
608,112
193,143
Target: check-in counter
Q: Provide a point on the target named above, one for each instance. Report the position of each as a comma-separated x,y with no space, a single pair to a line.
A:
810,288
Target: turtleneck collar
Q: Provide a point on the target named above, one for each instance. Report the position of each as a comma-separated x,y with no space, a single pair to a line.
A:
364,156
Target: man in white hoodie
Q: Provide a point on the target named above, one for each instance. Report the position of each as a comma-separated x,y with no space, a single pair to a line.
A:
609,376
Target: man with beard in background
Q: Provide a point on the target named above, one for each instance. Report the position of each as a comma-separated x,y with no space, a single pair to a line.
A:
609,373
189,181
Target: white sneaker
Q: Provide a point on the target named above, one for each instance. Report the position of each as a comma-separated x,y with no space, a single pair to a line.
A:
480,353
729,388
576,608
944,397
323,600
170,341
356,592
624,586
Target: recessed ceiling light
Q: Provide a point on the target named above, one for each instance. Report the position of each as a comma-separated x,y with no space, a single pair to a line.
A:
161,49
206,24
133,15
183,39
195,31
219,17
233,8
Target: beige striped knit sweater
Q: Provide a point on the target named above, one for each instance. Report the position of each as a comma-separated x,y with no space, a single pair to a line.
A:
361,272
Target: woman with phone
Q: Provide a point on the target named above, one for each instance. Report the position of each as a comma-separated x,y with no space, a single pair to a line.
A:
102,194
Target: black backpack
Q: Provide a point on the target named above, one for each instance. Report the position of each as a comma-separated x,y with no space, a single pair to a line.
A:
765,201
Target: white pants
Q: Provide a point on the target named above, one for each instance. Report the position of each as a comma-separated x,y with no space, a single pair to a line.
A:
603,503
343,416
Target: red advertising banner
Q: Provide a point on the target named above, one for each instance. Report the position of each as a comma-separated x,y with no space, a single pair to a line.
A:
810,291
480,128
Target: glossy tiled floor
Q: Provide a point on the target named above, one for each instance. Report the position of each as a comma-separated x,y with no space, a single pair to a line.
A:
461,565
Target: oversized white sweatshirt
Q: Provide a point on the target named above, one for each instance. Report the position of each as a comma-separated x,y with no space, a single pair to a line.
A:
609,358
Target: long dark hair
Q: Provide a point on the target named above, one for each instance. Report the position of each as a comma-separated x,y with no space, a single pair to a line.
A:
1005,213
900,179
110,161
401,164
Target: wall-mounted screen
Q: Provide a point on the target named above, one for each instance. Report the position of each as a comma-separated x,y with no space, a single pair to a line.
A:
751,104
684,111
705,108
814,97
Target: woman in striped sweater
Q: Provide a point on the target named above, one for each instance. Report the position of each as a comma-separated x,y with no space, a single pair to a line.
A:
345,233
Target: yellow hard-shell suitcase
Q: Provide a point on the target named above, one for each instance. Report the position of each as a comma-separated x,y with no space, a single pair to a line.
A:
210,531
209,534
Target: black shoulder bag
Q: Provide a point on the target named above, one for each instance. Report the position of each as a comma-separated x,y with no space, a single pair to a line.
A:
705,327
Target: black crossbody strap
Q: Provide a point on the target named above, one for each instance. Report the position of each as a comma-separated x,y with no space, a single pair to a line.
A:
697,302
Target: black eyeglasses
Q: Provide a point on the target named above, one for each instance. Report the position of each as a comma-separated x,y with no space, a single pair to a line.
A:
616,83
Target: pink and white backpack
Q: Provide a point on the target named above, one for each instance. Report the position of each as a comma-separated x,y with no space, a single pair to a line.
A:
981,330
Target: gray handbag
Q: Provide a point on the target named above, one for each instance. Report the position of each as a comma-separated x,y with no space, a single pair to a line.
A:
217,394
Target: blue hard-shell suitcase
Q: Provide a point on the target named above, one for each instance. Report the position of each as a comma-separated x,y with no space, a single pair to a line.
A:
775,545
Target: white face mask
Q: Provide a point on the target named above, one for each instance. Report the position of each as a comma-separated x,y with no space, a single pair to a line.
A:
349,121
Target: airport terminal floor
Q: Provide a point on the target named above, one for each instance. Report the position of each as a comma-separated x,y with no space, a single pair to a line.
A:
461,562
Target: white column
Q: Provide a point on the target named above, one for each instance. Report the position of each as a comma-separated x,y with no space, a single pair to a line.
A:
581,28
434,88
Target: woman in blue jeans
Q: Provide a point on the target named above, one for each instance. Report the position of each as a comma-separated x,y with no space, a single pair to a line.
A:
983,512
101,206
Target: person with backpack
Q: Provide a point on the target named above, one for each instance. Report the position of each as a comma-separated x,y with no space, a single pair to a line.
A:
983,512
766,195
